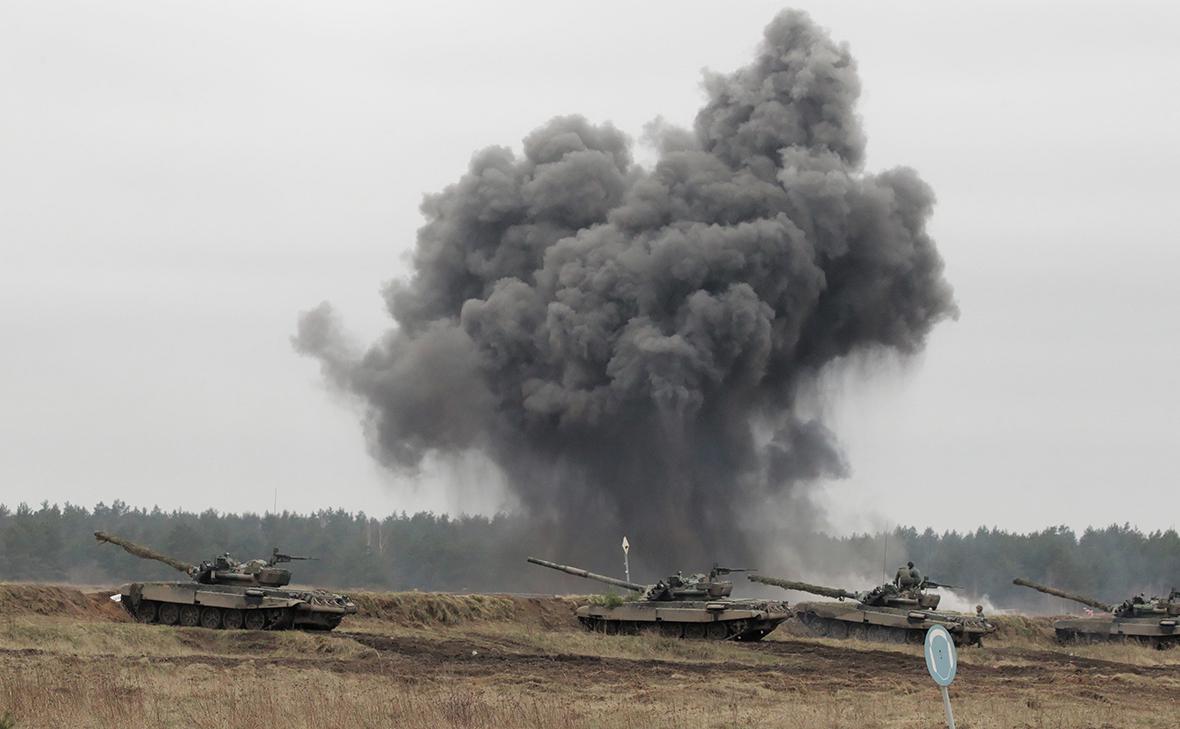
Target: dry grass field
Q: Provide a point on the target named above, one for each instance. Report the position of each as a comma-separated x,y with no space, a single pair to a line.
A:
439,661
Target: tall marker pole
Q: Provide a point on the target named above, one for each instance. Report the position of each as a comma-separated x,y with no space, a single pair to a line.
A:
627,558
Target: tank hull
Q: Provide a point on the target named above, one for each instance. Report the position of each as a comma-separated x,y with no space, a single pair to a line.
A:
719,620
886,624
246,607
1160,631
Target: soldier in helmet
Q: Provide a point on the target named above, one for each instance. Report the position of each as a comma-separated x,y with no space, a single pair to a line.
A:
908,577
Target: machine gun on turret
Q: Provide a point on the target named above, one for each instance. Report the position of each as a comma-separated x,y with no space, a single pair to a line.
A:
719,571
278,557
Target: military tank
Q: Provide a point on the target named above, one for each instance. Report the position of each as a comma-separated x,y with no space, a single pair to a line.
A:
896,612
225,593
1152,620
679,606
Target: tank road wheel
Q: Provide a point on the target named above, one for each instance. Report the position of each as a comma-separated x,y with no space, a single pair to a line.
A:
169,613
190,616
280,619
145,612
254,620
210,618
671,630
885,634
231,619
612,627
751,635
716,631
695,631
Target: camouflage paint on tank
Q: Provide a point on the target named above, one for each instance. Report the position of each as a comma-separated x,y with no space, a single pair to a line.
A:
679,606
898,611
225,593
1151,620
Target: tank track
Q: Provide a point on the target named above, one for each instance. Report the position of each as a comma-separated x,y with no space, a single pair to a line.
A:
842,630
740,630
194,616
1070,636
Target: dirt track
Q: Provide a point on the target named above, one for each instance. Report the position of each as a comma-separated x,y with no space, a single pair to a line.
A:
797,666
533,648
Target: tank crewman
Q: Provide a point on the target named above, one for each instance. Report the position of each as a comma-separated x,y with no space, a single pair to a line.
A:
908,577
902,579
915,575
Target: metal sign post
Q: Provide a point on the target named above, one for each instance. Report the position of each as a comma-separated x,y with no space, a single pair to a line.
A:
942,662
627,558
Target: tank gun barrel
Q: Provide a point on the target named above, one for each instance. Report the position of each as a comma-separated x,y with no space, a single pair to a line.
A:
719,570
1063,594
145,552
278,557
589,575
804,587
932,583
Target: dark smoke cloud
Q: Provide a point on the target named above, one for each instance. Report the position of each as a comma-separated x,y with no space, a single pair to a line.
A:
626,344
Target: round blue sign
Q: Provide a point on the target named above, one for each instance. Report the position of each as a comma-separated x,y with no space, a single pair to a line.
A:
941,660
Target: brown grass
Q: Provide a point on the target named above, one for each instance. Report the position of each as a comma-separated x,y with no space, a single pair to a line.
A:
475,662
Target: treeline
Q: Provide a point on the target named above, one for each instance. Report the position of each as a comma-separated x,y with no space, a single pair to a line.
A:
486,554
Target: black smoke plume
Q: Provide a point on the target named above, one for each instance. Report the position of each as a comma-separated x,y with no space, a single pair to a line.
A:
627,344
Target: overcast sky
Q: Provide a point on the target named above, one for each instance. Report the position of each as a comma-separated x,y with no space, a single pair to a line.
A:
179,180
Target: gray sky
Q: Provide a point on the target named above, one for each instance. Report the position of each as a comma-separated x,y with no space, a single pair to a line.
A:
179,180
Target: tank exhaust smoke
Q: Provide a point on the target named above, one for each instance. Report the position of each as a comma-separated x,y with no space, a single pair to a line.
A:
626,344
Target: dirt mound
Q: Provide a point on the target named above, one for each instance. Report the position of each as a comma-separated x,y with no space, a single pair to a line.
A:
31,599
1023,629
420,609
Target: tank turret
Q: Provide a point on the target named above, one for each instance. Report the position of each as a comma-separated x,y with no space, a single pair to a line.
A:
901,610
674,587
221,570
885,595
1087,601
684,606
